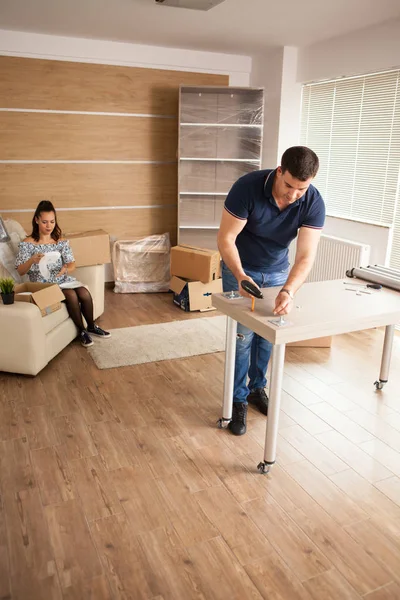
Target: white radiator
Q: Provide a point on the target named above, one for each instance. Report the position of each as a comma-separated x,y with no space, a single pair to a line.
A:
334,257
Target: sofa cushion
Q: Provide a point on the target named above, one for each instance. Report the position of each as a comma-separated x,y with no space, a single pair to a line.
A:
9,248
51,321
4,274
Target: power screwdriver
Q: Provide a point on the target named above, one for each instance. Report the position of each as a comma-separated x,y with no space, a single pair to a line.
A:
253,290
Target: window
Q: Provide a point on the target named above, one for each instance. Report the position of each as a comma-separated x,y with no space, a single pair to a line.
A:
353,124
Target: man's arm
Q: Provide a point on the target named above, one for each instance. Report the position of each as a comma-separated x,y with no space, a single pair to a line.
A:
228,231
307,244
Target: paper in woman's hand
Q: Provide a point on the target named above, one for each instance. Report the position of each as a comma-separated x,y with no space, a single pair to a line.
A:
50,264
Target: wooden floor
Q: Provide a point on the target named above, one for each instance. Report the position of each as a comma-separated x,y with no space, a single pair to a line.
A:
117,484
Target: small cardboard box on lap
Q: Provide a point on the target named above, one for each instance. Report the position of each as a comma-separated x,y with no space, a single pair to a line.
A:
90,247
46,296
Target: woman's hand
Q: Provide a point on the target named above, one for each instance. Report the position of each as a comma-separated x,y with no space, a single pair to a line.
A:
35,258
63,270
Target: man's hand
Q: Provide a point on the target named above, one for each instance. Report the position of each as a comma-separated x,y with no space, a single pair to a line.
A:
241,290
283,304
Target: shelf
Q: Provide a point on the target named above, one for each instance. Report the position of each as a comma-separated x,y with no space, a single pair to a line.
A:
223,90
241,160
203,193
220,125
220,141
198,226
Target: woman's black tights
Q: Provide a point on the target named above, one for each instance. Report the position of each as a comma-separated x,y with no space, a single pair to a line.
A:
79,302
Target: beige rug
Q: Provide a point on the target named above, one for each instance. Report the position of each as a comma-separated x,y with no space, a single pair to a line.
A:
164,341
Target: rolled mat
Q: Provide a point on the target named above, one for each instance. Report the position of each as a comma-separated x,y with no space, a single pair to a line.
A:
387,277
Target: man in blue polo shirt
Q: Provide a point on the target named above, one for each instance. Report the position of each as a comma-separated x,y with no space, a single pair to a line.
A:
264,211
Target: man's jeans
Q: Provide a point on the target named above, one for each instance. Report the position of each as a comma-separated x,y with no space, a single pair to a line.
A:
251,349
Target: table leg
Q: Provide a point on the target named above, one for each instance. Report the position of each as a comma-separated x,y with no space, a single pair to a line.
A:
386,356
230,351
275,392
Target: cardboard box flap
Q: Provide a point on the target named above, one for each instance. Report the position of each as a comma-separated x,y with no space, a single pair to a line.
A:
200,294
48,296
177,285
206,251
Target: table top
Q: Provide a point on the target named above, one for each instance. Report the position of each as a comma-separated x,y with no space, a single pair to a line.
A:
319,309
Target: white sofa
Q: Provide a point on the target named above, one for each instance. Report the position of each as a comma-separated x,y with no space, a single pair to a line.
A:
29,341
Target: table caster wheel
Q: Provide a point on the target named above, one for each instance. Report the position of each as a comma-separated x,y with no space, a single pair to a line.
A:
223,423
379,384
263,468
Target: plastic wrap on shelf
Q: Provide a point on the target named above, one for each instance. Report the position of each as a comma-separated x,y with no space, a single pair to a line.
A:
199,177
142,265
201,238
231,106
200,211
221,141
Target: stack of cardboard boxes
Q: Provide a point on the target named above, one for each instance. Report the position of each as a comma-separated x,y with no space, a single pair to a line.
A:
195,277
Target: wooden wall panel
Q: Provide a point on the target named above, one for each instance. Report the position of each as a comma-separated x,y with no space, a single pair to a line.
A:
121,224
76,185
46,136
59,85
31,85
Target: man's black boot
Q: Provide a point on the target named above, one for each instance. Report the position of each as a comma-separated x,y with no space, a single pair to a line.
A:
239,415
259,398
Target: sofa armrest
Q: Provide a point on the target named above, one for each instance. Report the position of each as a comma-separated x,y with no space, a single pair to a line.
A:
21,327
94,278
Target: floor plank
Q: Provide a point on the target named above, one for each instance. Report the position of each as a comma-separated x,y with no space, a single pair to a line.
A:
330,586
53,475
76,563
291,543
388,592
32,563
121,556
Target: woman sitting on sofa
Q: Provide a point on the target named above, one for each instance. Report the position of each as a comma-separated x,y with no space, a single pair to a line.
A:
46,238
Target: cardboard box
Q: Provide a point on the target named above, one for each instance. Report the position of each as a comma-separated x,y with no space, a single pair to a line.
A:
46,296
197,264
322,342
194,295
90,247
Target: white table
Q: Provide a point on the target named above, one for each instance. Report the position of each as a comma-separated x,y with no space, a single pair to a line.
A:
320,309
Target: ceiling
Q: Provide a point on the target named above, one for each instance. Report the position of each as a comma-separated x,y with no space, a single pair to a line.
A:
235,26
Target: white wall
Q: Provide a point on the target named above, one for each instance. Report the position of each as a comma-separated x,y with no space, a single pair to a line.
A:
267,73
34,45
378,237
276,72
290,102
372,49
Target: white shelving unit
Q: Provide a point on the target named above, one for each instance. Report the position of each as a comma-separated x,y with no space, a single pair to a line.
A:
220,139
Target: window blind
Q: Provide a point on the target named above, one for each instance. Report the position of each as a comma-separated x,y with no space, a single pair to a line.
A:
353,124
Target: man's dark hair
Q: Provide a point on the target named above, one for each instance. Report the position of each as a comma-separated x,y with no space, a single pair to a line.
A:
301,162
